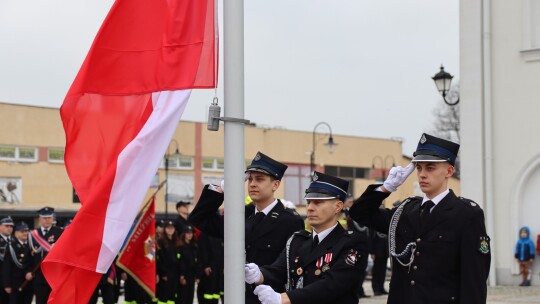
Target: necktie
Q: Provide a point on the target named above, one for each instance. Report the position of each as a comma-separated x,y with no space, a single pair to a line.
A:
425,211
315,242
259,216
45,231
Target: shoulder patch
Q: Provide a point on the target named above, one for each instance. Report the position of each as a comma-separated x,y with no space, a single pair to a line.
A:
483,245
468,202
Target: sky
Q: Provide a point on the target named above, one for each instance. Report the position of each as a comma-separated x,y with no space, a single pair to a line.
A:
362,66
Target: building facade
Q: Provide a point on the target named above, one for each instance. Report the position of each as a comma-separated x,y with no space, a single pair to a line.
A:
500,155
32,171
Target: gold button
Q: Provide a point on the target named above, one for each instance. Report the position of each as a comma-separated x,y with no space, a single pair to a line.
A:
413,282
418,240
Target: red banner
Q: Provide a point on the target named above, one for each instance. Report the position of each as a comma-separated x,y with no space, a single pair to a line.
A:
138,255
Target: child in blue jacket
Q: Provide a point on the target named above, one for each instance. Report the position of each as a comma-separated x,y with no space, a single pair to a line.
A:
524,255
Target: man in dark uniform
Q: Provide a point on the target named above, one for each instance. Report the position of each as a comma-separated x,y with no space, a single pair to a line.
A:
6,229
182,220
268,223
438,243
41,241
323,267
18,266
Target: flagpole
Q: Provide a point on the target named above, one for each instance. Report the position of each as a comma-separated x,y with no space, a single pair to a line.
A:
233,53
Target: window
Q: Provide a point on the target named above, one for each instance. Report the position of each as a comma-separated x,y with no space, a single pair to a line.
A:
211,179
180,187
347,172
180,163
297,180
213,164
22,154
56,155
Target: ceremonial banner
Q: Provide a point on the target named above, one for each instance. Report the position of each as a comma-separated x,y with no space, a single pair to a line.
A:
138,255
119,117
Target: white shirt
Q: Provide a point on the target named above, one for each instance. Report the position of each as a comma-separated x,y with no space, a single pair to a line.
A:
323,233
437,199
268,208
43,230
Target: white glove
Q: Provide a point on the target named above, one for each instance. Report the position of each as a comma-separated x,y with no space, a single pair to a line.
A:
397,176
267,295
253,274
222,184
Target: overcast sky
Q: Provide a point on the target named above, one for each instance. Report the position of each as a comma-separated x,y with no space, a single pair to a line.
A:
363,66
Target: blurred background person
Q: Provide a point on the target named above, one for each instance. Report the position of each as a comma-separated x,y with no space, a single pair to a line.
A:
167,264
188,253
18,267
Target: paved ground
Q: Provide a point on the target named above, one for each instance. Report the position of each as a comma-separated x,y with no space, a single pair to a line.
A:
496,295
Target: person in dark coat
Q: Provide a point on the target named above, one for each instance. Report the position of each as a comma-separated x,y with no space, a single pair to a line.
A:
438,243
6,229
18,267
167,264
41,240
182,208
379,255
188,253
364,234
268,224
322,267
210,288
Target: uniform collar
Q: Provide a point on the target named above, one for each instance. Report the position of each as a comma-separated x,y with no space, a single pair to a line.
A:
268,208
323,233
437,199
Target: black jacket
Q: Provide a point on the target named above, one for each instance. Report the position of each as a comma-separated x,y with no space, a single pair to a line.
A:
333,282
263,244
452,257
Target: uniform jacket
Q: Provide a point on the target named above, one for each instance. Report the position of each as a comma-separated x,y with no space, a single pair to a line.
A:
452,258
39,254
13,275
336,278
3,250
264,244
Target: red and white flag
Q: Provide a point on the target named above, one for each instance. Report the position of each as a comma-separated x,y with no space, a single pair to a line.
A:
138,256
119,117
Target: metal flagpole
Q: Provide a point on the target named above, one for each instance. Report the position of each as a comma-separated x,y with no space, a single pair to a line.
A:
233,52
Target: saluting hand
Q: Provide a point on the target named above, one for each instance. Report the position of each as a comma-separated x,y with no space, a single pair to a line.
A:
253,274
396,177
267,295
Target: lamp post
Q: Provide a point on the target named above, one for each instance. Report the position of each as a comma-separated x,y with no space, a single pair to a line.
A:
330,144
443,80
167,159
383,163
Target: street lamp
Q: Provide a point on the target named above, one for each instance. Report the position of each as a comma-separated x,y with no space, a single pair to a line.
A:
383,163
330,144
443,80
167,159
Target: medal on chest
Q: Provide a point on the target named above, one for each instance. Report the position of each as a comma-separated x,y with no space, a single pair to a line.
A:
323,264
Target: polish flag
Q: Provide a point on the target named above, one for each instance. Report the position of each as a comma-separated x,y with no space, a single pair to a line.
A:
119,117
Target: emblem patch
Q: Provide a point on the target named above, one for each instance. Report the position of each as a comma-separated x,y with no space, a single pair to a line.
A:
483,245
423,139
314,177
257,157
351,258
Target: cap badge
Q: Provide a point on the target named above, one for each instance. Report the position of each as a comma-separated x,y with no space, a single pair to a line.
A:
257,157
423,139
315,177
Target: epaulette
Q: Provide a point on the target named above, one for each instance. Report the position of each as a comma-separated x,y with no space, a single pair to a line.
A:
303,233
412,199
468,202
291,211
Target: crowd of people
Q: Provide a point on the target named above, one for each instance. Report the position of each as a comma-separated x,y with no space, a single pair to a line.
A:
437,243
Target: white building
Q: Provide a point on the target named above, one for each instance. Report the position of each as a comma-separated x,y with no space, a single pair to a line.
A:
500,116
